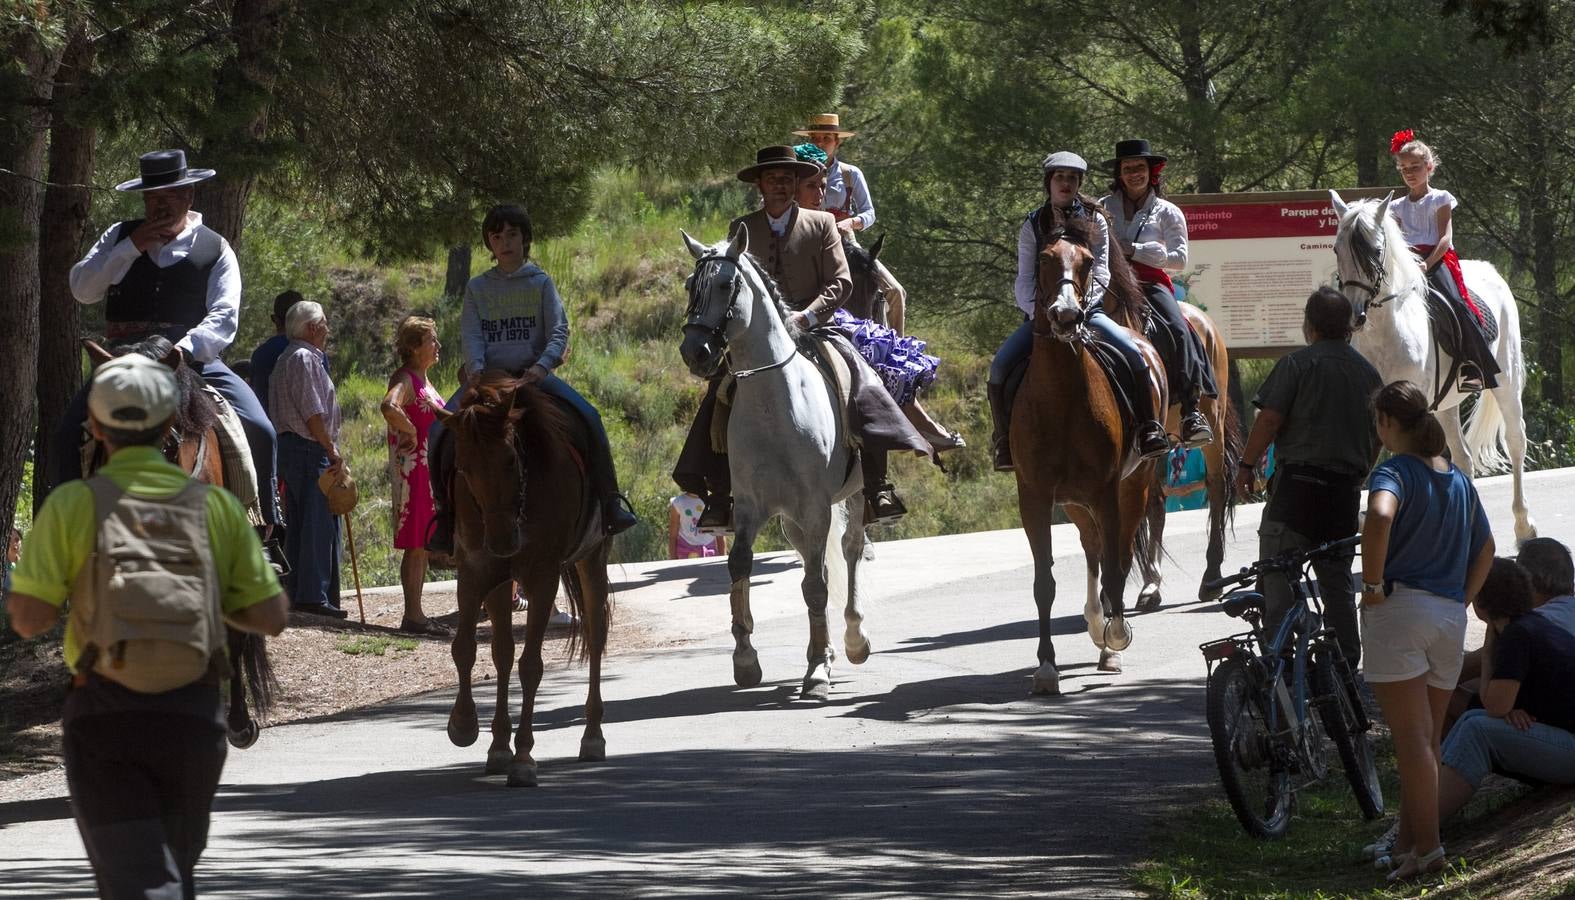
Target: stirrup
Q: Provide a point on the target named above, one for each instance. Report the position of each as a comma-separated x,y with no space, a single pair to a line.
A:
1195,431
1470,379
1153,442
440,540
618,514
1001,451
883,506
716,519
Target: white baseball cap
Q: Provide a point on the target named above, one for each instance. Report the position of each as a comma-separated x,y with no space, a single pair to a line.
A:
133,393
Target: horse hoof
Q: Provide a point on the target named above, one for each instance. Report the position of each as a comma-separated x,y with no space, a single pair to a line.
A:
522,774
1110,661
860,654
746,671
1118,634
1149,599
1047,680
498,761
463,735
817,682
593,749
1526,534
1205,595
245,737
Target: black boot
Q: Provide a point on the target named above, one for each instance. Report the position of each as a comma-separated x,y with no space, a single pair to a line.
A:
618,514
1152,441
881,503
440,534
717,517
1000,434
1195,430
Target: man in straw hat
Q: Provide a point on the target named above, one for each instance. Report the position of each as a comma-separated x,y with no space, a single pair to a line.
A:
168,274
848,200
143,728
802,252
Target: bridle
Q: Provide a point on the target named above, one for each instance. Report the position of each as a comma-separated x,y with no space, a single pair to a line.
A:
1373,290
718,334
1079,332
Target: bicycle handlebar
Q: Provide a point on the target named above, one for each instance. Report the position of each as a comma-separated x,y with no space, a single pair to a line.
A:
1286,562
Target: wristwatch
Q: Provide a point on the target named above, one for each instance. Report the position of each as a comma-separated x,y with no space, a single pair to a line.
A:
1372,587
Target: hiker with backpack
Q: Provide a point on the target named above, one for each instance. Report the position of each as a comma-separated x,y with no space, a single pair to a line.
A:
155,565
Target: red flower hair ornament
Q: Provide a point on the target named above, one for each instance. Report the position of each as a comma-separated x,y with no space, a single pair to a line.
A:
1401,138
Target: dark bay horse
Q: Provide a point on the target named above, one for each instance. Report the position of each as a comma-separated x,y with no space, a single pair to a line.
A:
1073,448
194,446
524,511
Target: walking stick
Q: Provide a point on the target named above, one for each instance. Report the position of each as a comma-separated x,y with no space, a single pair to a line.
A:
355,569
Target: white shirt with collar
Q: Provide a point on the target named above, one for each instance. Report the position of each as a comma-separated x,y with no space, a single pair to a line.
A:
109,260
844,180
1157,231
779,224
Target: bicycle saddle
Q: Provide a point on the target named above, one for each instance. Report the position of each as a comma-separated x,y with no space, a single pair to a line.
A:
1236,605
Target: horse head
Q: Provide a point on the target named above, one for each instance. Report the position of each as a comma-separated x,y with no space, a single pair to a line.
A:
487,458
1364,261
1064,269
714,289
866,296
195,412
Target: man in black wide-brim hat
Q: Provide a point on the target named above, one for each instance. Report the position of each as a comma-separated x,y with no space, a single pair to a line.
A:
168,274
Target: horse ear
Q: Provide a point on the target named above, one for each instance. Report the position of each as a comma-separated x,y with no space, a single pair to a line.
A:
875,247
95,352
1339,205
171,359
696,249
737,242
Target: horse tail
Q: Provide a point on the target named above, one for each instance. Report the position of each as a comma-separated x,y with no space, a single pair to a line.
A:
1234,444
836,562
1148,543
575,587
249,654
1485,436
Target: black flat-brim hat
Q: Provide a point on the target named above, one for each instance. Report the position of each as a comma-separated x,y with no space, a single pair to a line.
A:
164,169
779,157
1133,149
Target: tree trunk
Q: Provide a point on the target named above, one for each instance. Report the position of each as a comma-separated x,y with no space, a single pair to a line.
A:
1366,140
1202,114
458,271
1544,241
61,233
243,94
22,133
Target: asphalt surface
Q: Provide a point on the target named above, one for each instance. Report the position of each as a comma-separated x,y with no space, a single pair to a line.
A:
930,771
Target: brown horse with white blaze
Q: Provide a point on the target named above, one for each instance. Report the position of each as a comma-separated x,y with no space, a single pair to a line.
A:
525,512
1073,448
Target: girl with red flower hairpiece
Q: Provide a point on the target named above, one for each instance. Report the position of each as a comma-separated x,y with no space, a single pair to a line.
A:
1425,215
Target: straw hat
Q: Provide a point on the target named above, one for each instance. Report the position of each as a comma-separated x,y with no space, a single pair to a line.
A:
824,123
339,487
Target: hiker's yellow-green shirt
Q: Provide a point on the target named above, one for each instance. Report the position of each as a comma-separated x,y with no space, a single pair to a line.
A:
64,535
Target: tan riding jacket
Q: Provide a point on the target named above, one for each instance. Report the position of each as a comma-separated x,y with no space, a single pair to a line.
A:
807,262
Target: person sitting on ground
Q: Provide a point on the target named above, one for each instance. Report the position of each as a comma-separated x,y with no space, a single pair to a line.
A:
904,368
1426,548
513,320
305,408
1526,728
1063,180
410,407
1547,563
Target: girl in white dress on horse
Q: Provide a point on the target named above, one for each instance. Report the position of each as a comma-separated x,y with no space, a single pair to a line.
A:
1426,218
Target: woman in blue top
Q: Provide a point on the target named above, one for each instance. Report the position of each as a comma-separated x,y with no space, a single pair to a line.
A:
1426,549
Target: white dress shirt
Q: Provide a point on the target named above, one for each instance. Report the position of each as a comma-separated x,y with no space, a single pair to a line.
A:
109,260
1157,231
1028,264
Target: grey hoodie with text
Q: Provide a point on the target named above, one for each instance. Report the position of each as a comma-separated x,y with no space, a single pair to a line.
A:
513,321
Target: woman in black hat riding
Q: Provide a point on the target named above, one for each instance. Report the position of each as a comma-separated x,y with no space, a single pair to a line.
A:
1152,232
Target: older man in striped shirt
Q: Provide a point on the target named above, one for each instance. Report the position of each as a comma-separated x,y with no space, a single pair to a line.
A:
305,411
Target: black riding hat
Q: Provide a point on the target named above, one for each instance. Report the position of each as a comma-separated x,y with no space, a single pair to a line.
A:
1133,148
164,169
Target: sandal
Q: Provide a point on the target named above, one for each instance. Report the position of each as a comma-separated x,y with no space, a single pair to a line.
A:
426,627
1415,866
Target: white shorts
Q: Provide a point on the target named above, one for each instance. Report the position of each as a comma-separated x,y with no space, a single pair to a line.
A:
1414,633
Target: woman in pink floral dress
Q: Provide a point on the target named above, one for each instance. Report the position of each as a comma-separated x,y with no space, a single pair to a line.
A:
410,407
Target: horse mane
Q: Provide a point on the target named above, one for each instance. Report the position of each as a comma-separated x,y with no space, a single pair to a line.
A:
1360,230
750,262
502,407
196,412
859,259
1124,298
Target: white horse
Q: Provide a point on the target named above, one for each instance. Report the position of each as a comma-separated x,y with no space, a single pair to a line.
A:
1385,283
787,451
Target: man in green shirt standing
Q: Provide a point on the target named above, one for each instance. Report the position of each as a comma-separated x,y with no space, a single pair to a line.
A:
154,565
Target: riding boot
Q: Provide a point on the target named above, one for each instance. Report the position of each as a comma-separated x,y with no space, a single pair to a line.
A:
881,503
617,514
1152,440
272,537
1195,430
1000,434
717,517
440,533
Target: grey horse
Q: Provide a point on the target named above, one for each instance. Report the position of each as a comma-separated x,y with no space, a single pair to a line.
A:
787,451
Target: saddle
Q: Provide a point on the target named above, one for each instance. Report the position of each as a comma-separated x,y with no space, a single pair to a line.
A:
1123,381
1447,319
833,367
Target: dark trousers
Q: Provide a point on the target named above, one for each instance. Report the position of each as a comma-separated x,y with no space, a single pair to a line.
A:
311,543
65,458
1473,343
142,786
1334,586
1187,368
1019,344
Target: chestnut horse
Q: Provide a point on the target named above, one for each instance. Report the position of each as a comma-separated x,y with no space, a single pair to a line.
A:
524,512
194,446
1073,449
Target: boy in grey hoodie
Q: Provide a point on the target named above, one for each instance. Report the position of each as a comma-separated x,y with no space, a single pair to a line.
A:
513,319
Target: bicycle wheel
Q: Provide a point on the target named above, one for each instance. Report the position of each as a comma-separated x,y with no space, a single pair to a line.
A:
1259,789
1336,707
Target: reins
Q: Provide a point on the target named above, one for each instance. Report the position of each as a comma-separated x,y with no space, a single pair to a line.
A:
718,333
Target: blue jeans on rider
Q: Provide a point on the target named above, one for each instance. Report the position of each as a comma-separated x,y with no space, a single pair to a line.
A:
65,460
1019,343
311,542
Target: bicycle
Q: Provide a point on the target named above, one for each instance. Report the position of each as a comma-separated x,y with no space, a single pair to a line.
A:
1263,709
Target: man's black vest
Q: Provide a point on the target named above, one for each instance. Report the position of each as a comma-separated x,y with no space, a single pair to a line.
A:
169,301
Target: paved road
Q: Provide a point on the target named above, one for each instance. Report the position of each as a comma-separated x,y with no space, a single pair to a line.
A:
930,771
